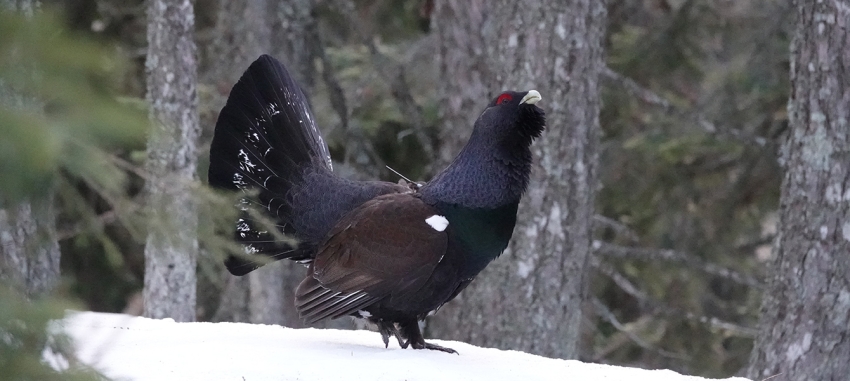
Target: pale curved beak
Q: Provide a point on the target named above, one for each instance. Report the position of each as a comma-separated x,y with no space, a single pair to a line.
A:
532,97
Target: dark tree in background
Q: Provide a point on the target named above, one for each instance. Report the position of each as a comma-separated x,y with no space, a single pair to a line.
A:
257,297
530,298
803,331
172,245
282,29
29,250
294,38
463,57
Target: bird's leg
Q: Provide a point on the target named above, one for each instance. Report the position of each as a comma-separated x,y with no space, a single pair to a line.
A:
401,342
410,329
388,328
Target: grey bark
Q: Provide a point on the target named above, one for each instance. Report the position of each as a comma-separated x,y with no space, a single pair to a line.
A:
804,331
29,250
530,298
258,296
294,35
172,245
242,33
465,62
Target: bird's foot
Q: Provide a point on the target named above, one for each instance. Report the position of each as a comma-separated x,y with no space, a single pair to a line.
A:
433,347
401,343
410,330
386,329
386,338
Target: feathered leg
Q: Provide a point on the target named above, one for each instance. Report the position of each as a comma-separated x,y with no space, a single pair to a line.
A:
388,328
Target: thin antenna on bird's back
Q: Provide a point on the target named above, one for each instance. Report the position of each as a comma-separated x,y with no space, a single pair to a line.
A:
399,174
415,185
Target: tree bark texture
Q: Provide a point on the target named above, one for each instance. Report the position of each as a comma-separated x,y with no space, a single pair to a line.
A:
242,32
172,245
29,250
466,55
530,298
804,332
294,37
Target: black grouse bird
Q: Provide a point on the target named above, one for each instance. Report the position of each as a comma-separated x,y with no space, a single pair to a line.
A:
386,252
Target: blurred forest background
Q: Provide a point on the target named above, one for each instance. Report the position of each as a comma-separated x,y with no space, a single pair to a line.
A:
693,104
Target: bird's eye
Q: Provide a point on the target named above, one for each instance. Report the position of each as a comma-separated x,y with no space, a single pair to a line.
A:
504,98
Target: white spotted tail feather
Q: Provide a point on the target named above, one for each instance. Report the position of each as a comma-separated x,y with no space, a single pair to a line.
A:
264,138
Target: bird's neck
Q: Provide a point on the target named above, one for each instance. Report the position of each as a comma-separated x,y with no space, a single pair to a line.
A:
483,176
479,194
480,235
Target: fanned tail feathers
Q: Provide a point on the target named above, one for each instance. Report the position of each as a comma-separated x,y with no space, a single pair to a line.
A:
264,139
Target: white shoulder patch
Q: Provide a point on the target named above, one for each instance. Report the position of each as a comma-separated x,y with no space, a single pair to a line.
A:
438,222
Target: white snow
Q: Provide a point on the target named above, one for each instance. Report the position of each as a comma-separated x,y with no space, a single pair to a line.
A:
438,222
134,348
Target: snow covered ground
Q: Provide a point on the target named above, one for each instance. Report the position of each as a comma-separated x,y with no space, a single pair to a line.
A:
133,348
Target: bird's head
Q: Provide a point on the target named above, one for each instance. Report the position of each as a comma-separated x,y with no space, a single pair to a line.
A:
493,167
512,117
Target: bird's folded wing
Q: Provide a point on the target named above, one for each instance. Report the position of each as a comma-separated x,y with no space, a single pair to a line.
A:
383,248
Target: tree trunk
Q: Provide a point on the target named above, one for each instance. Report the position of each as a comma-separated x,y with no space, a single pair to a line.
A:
29,250
283,29
530,298
803,332
465,60
258,296
172,245
293,39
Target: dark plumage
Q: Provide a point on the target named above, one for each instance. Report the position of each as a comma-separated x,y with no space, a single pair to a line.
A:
387,252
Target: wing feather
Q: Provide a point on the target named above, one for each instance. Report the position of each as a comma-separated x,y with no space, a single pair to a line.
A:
384,248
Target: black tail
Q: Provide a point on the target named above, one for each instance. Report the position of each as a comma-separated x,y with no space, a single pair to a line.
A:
264,138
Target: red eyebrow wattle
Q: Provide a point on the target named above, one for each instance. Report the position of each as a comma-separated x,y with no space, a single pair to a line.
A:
504,97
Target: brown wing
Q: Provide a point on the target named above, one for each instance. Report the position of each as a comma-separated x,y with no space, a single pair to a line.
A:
382,248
